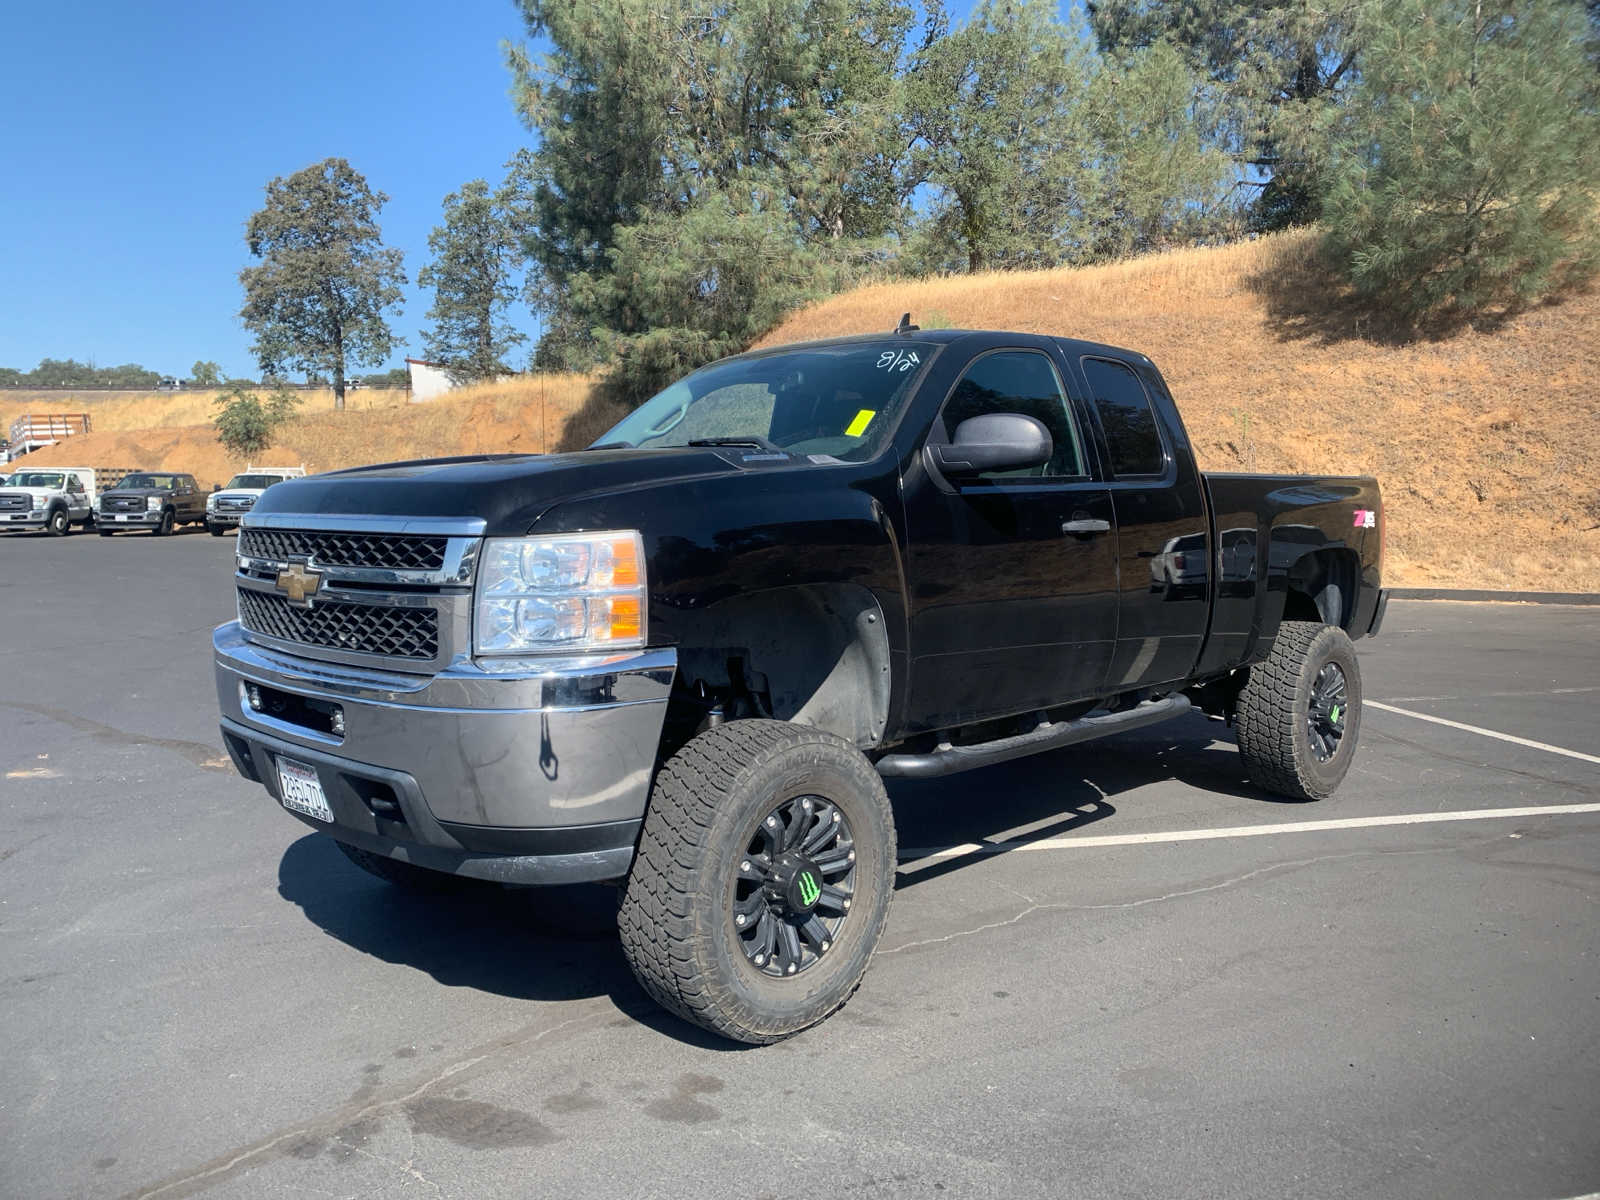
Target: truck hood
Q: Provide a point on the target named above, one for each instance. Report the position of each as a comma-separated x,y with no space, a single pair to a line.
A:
33,491
238,494
136,492
508,491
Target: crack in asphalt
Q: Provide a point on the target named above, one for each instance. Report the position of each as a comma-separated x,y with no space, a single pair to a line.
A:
245,1158
207,758
1067,906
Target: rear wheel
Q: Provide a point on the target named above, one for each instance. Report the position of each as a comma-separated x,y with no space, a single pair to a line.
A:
402,875
1299,716
763,879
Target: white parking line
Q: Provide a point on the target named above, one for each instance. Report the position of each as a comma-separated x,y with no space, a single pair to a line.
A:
1504,737
933,853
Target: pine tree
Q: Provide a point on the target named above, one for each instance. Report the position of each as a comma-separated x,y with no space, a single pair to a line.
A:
1470,176
1287,68
475,253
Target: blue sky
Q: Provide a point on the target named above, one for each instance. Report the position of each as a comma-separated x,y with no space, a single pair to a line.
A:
136,140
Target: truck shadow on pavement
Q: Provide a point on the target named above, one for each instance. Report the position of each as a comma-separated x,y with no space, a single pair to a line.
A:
560,944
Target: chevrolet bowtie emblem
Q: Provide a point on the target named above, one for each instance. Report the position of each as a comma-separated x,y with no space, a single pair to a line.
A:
299,584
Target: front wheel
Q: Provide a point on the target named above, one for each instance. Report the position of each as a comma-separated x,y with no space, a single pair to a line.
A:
58,523
1299,716
216,530
164,528
763,879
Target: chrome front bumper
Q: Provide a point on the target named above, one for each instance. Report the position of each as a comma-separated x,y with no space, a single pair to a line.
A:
536,771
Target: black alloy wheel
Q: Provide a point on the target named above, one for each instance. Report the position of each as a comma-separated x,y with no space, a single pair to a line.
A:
1326,712
164,528
762,881
793,887
1299,712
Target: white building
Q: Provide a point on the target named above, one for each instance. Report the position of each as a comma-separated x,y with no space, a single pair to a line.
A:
429,380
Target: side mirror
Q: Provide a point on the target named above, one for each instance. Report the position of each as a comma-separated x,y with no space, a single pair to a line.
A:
994,442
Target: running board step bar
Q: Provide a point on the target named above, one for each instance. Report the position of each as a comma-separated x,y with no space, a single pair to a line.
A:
1048,735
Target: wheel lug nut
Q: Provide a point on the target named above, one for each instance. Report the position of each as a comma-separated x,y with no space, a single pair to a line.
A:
739,920
825,946
791,968
744,866
760,958
845,903
851,857
835,818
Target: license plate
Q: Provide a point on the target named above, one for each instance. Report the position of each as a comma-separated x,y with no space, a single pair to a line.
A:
123,517
302,790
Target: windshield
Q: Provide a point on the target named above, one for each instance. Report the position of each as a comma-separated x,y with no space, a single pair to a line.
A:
252,481
164,482
839,401
38,479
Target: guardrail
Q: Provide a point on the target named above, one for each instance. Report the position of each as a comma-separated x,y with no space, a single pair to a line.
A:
47,427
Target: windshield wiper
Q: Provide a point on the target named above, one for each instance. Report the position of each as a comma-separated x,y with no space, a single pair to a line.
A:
748,439
611,446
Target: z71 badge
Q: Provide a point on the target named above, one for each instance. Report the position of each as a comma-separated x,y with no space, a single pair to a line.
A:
1366,518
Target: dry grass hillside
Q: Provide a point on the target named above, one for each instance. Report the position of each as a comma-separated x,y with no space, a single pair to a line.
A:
163,430
1487,444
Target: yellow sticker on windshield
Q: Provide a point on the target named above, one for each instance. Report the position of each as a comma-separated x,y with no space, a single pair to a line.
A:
859,425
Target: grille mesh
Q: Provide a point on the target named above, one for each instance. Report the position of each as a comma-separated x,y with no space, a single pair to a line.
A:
391,552
361,628
123,504
15,502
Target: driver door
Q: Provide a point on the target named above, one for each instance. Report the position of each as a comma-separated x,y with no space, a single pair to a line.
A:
1012,575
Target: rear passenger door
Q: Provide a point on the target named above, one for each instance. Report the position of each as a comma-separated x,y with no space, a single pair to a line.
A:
1012,575
1163,546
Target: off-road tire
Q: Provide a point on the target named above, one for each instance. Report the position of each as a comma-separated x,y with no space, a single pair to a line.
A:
215,530
166,525
58,524
675,919
1271,721
402,875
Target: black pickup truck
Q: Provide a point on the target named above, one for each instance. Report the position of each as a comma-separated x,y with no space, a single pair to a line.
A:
686,658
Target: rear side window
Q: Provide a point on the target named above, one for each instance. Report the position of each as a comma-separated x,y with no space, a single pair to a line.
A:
1019,381
1132,436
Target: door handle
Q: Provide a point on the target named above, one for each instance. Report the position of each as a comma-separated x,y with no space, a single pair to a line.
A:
1085,525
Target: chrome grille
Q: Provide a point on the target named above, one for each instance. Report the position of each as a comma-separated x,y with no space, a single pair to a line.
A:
235,503
392,552
411,633
15,502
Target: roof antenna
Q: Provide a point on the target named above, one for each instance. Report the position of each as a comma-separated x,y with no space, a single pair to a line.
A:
906,326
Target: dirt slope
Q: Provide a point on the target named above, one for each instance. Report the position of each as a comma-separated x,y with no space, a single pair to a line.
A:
1487,444
506,417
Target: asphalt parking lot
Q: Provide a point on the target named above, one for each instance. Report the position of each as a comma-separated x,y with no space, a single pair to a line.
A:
1141,993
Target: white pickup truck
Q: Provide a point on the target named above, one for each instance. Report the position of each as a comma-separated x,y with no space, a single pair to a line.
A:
53,499
227,505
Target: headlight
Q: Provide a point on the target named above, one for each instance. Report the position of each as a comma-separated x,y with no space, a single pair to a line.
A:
211,502
152,503
38,501
583,591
